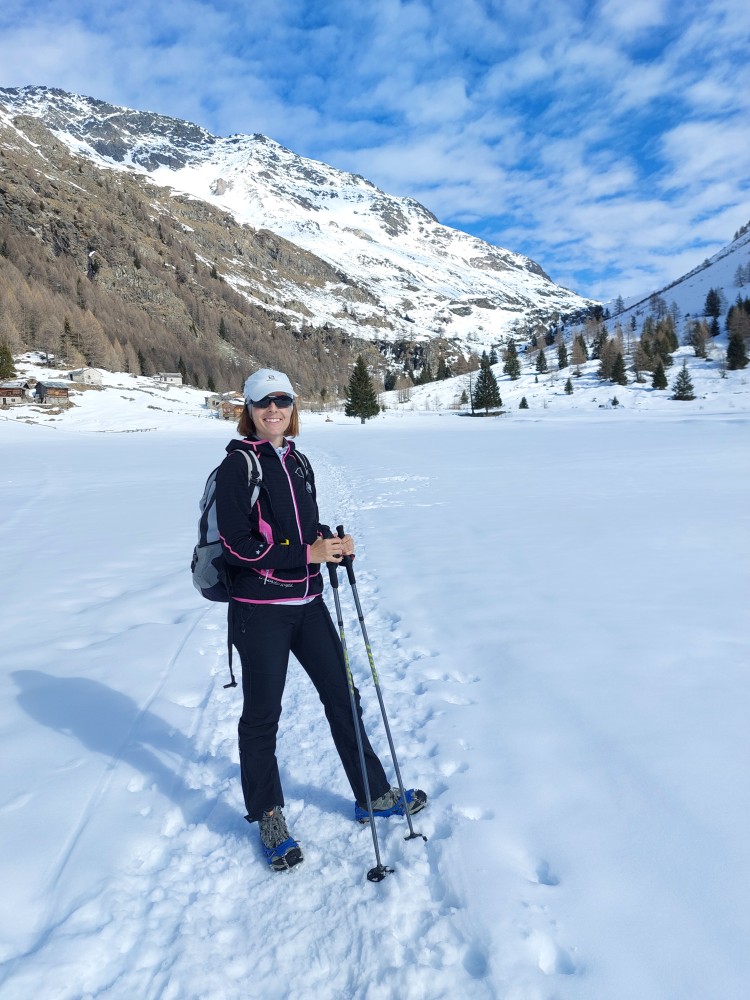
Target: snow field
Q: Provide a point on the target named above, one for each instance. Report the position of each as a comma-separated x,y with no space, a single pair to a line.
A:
556,612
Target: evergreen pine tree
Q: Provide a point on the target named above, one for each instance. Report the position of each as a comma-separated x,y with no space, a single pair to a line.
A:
569,387
512,365
619,374
562,356
713,303
486,392
7,368
493,357
659,381
600,340
683,387
541,362
736,352
523,405
361,399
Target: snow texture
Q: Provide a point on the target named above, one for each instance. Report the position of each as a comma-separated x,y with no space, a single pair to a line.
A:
557,606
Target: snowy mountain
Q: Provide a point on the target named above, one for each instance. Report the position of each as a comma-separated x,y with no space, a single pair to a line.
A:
406,276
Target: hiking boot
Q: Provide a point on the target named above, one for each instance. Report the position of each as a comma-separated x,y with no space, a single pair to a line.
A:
391,804
281,850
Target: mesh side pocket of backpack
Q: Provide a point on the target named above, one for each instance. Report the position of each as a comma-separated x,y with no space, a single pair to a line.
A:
208,566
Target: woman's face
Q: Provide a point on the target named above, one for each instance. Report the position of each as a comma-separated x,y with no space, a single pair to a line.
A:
272,421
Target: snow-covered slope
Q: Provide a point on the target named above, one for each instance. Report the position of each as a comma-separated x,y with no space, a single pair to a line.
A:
728,272
428,279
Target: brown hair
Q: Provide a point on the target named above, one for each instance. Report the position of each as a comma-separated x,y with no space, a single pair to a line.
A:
246,426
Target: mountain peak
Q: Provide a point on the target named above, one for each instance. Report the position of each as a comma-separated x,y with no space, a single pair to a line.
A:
428,279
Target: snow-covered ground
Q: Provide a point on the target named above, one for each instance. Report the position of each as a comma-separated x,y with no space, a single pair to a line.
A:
557,604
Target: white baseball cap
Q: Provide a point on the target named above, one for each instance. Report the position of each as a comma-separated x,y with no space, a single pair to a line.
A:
265,382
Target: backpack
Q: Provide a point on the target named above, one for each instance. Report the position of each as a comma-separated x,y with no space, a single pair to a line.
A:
211,576
208,566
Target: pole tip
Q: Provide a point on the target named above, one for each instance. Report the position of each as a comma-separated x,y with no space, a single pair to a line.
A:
378,873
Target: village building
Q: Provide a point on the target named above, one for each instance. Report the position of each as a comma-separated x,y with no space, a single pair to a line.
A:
14,391
227,405
170,378
53,393
86,376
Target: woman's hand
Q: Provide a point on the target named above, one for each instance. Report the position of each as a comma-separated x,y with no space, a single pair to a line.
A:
331,550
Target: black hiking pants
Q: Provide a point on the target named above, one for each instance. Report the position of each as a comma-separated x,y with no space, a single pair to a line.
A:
264,635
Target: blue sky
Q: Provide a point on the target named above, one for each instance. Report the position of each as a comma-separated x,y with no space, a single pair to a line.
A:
609,140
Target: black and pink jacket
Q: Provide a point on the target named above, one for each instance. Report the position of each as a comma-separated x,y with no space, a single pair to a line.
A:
267,548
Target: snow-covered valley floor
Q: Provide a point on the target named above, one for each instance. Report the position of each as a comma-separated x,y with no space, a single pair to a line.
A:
558,612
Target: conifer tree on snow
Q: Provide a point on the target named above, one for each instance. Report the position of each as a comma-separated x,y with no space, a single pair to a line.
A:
579,353
619,374
541,362
736,352
7,368
683,386
512,365
486,392
659,381
562,356
569,387
361,399
713,304
523,405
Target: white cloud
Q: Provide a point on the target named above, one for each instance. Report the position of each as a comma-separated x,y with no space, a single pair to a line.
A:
633,15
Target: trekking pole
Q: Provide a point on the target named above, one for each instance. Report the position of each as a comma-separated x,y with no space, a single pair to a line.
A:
350,573
379,872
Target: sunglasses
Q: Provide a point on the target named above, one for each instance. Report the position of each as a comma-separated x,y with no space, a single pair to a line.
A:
281,402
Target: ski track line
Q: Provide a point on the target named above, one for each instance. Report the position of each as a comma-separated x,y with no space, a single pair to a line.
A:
31,498
100,791
93,804
535,929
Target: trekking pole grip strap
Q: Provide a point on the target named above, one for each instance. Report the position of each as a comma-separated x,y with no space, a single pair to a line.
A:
347,560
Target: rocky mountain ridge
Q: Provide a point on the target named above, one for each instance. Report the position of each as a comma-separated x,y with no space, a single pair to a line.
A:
404,277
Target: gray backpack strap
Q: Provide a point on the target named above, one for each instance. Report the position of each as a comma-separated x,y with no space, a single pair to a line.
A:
254,475
254,479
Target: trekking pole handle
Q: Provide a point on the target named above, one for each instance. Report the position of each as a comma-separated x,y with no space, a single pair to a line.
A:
347,560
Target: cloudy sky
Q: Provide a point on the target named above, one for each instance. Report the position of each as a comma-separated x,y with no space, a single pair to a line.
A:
607,139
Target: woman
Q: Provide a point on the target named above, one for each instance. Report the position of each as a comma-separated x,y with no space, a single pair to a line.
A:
274,551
